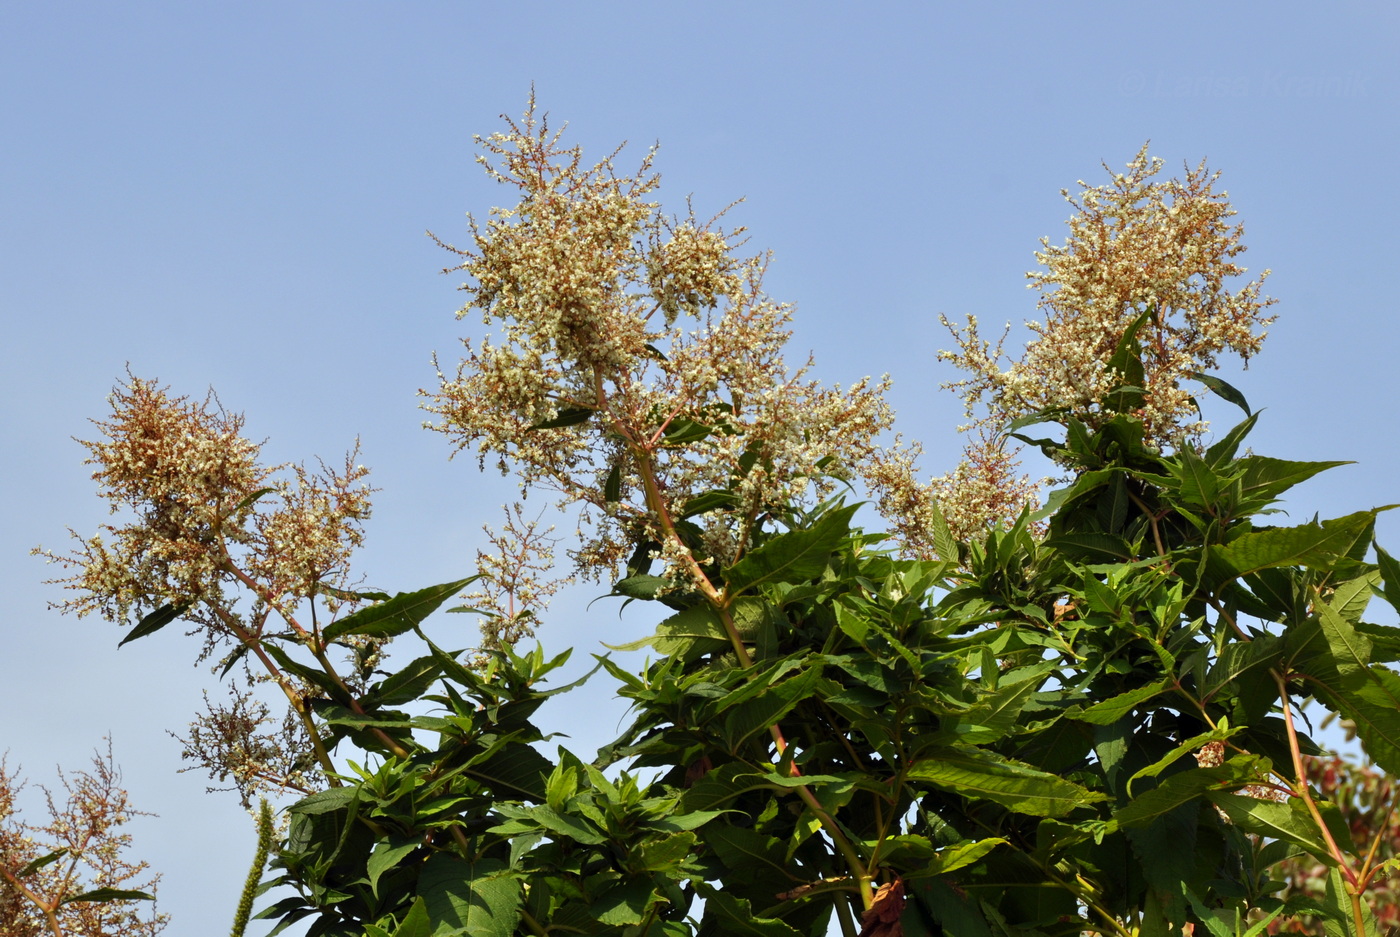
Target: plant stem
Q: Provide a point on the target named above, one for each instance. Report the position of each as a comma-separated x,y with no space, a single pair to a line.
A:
295,698
844,915
647,470
1301,788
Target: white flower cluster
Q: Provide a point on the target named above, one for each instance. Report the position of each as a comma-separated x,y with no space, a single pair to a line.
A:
1134,244
638,363
203,514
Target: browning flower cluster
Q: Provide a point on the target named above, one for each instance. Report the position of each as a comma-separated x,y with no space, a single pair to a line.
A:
637,364
205,525
46,868
206,519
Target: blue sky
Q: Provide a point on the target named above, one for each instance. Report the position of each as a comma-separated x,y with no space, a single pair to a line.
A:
235,196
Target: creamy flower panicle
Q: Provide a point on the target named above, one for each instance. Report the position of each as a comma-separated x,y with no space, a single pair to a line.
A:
637,363
207,525
1135,244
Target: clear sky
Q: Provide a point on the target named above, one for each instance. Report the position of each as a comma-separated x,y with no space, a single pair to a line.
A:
235,196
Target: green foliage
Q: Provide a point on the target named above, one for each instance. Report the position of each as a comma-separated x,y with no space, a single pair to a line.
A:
1019,734
1076,721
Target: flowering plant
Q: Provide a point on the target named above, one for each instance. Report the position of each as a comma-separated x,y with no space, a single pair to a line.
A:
989,722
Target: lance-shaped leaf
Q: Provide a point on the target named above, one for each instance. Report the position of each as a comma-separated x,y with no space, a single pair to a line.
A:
794,557
1370,698
566,416
1272,820
1263,479
36,864
1186,786
155,621
1109,711
1351,651
993,717
737,917
1390,572
1218,734
403,612
984,775
109,894
756,714
687,634
1223,390
1316,545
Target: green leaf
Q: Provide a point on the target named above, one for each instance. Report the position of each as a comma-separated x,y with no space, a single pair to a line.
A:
1186,786
668,855
994,716
687,634
566,416
983,775
1390,572
408,684
624,904
1126,361
252,498
738,917
1273,820
1371,700
1263,479
576,828
1200,485
1239,658
36,864
1109,711
1351,651
109,894
1091,546
956,914
951,858
474,896
516,770
1223,450
403,612
944,543
416,922
682,431
612,488
744,720
1317,545
386,856
709,501
1222,390
155,621
1218,734
793,557
747,852
350,595
641,586
327,801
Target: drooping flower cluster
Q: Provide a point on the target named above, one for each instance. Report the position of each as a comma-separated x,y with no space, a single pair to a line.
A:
638,363
515,578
